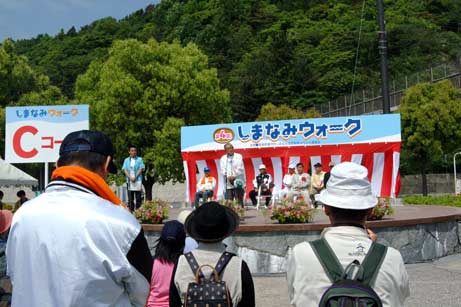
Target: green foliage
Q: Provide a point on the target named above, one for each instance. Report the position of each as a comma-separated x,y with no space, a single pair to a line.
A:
283,111
381,209
144,92
431,120
152,212
293,212
447,200
287,52
20,84
166,156
16,76
2,132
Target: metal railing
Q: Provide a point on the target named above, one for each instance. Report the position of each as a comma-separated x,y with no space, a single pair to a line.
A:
370,101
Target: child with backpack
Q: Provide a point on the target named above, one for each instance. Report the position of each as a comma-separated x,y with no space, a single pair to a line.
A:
169,247
210,276
345,267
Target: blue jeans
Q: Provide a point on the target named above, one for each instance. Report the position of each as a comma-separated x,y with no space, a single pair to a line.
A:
202,194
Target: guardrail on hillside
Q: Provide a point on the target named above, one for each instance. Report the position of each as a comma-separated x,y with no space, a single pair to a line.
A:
360,104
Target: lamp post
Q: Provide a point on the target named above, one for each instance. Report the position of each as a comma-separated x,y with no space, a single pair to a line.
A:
382,46
454,167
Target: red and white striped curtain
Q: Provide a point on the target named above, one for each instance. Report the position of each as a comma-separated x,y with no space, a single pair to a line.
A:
381,160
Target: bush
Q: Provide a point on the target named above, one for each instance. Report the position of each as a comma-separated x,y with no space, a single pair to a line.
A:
381,209
234,206
293,212
446,200
152,212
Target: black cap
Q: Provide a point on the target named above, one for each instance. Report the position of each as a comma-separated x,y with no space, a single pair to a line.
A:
173,231
88,140
317,165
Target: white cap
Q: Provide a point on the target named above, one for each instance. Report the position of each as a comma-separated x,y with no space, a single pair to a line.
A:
262,166
292,165
348,188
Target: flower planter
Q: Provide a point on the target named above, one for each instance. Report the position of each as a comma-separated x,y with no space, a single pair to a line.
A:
293,212
382,209
152,212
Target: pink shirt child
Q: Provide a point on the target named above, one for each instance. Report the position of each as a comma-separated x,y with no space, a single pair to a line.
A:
160,284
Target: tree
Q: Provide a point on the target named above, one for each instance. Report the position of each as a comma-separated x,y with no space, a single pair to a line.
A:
20,84
144,92
271,112
2,132
16,76
431,119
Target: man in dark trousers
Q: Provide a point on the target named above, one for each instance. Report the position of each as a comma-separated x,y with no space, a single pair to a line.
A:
262,186
133,167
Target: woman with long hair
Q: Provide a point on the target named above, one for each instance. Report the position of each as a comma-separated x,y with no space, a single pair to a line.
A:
169,247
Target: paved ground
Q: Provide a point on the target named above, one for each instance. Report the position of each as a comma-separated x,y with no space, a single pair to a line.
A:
432,285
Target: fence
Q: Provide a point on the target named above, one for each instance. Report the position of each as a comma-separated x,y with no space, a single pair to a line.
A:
371,101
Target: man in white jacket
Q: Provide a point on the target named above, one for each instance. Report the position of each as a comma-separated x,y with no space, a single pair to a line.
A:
233,170
300,184
77,244
348,201
288,181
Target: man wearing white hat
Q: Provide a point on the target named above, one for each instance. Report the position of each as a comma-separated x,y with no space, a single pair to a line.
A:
288,181
262,185
348,201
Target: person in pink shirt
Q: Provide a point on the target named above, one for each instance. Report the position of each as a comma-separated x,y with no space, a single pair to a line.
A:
169,247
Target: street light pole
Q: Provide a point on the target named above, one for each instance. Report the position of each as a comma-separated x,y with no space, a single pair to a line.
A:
382,46
454,167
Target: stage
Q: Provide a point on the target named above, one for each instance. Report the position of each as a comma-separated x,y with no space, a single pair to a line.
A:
420,233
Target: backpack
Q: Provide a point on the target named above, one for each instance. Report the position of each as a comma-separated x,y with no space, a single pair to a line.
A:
211,291
352,286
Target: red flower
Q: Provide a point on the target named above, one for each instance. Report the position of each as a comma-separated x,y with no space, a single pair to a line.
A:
303,179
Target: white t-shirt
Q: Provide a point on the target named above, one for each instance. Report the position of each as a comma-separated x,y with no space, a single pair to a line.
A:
134,186
229,171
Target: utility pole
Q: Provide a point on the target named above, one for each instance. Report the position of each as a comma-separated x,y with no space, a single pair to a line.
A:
454,172
382,45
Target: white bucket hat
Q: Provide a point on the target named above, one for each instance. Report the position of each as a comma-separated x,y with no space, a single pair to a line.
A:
348,188
262,166
182,216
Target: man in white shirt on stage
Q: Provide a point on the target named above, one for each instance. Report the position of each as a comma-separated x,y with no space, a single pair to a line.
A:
301,183
234,174
288,181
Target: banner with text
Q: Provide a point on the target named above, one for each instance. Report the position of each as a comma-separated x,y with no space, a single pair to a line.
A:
35,133
370,140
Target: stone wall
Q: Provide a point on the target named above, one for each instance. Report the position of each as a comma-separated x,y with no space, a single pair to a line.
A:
266,252
436,184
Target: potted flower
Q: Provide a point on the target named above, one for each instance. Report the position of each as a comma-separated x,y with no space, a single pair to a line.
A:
152,212
235,206
293,212
381,209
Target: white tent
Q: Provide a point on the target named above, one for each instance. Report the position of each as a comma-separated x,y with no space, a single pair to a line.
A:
10,175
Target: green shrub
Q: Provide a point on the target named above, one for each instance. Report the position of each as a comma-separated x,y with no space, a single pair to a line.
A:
446,200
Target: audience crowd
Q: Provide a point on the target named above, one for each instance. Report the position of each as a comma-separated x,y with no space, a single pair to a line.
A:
77,244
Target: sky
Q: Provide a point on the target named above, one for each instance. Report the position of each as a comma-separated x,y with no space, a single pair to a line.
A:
27,18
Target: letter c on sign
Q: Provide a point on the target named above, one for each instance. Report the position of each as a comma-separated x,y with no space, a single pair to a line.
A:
17,142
